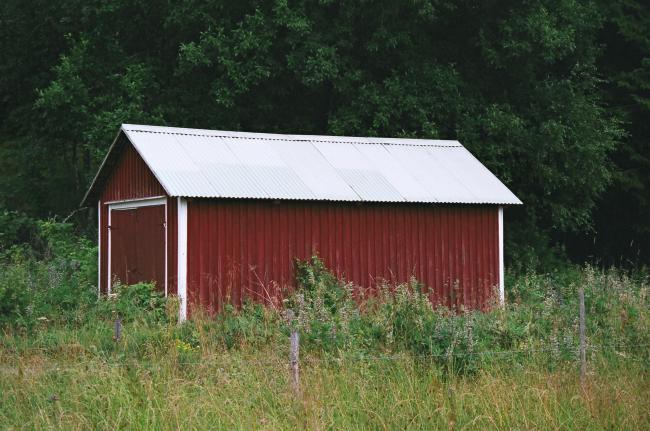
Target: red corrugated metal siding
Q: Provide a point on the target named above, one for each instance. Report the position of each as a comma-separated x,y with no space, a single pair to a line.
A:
131,178
245,248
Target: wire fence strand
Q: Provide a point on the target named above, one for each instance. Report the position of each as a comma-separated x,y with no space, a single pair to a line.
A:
127,363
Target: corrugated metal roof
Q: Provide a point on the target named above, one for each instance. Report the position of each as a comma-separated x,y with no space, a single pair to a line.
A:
214,163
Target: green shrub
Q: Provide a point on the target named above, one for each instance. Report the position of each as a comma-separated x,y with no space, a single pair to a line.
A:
55,282
323,305
317,283
15,294
140,301
539,321
253,324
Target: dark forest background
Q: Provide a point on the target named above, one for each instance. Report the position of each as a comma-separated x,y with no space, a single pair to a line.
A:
553,96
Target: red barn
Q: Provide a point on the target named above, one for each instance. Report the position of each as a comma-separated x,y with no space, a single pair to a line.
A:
215,216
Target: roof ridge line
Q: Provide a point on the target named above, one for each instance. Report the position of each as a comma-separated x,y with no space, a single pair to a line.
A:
343,141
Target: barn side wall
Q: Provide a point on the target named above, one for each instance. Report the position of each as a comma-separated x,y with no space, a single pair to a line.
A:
131,178
245,248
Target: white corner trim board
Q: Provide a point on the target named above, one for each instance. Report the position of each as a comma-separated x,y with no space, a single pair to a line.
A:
99,248
125,205
166,249
502,289
182,258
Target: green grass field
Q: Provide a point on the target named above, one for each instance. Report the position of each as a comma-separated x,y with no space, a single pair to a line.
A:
249,389
392,361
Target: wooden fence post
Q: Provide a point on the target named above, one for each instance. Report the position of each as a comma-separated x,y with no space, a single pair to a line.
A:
294,354
118,329
583,342
293,358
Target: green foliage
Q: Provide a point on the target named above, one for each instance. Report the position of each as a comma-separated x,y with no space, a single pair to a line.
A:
15,228
539,323
54,281
541,316
388,360
621,234
526,86
14,298
323,305
317,283
252,325
141,301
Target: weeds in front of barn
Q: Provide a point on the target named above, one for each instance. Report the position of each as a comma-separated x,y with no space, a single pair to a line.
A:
387,361
248,389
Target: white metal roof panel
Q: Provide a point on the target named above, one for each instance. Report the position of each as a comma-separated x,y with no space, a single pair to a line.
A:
358,172
315,171
215,163
219,165
439,183
271,176
401,179
475,177
170,164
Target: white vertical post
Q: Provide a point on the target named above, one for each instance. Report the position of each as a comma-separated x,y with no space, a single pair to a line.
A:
99,248
109,234
166,248
182,258
502,288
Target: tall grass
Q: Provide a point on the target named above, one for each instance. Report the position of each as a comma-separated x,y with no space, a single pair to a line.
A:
391,361
248,388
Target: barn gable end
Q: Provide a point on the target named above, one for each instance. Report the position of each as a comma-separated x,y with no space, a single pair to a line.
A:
130,177
125,177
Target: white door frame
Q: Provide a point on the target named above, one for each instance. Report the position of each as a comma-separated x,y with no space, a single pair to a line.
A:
99,248
131,204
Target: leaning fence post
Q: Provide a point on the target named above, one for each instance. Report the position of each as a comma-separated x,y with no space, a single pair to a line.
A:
294,353
583,347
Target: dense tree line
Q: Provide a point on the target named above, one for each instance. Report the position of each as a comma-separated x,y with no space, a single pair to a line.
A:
552,95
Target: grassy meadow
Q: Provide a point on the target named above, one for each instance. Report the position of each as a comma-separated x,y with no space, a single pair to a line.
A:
392,361
249,389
